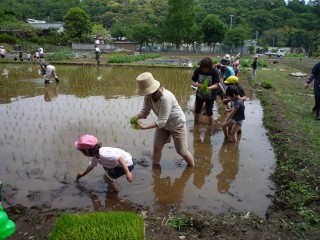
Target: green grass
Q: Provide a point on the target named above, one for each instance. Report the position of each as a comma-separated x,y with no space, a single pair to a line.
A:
99,225
179,222
266,84
130,59
294,134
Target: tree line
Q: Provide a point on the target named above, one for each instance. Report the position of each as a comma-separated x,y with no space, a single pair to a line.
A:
294,23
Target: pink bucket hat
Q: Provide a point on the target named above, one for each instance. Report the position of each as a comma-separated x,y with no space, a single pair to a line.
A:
86,142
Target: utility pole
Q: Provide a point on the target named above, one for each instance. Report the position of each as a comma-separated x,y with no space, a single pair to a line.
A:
255,46
231,21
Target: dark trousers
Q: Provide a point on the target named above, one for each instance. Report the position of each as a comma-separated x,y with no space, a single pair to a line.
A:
316,107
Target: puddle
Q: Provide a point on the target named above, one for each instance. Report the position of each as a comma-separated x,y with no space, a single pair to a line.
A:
40,124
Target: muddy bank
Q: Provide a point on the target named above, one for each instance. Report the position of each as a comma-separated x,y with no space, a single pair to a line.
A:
37,222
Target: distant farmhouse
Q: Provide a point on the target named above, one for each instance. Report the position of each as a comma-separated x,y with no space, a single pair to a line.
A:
45,26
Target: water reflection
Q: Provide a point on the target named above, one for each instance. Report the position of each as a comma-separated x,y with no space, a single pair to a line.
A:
202,154
111,202
99,73
229,160
5,72
166,192
50,92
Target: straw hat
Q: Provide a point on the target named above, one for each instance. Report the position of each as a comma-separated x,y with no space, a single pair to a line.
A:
226,57
146,84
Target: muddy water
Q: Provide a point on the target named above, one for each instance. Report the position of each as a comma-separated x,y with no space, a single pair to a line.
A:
39,125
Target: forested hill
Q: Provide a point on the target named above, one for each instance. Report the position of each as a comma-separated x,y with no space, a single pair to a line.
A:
259,14
264,17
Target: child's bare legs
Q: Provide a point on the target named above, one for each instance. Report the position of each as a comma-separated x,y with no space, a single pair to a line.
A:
234,132
225,128
210,120
112,184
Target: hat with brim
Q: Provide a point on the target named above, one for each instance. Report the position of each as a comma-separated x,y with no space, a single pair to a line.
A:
231,80
226,57
86,142
146,84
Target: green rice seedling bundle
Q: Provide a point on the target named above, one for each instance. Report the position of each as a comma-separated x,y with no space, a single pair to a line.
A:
99,225
204,87
134,123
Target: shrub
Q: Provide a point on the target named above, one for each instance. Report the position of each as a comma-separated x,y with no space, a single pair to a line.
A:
295,55
266,84
262,63
60,54
244,63
130,59
99,225
5,38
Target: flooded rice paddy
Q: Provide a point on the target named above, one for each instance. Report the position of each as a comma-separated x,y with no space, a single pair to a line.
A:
39,125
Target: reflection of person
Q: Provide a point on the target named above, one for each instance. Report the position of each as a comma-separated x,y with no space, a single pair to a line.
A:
50,93
236,115
229,160
202,155
112,201
315,75
97,52
205,73
171,119
48,70
5,72
115,161
166,192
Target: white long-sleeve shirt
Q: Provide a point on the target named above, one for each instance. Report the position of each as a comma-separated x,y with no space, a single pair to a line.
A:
169,113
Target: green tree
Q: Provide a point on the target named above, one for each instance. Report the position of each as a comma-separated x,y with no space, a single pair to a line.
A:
195,36
77,23
275,37
213,30
99,31
179,21
118,31
237,35
144,33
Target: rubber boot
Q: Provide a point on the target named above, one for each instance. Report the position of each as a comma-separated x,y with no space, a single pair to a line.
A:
57,80
46,81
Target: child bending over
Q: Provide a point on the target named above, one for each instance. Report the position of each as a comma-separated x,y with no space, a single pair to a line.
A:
233,122
115,161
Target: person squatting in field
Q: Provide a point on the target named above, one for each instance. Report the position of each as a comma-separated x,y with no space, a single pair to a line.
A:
115,161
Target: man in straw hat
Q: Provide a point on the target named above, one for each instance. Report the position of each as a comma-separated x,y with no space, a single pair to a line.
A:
171,119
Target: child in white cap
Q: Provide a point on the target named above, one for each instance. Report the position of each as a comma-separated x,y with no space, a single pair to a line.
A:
115,161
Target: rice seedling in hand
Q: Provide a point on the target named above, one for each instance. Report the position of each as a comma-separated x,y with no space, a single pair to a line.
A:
134,123
204,87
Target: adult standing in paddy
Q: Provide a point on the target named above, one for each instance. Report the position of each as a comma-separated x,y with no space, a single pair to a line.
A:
171,119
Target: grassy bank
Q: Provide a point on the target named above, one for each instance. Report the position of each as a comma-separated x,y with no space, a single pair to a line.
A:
294,134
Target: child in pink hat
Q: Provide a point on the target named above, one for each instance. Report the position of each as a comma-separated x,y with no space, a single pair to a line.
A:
115,161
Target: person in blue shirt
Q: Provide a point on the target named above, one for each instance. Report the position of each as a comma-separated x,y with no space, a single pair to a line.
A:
226,72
